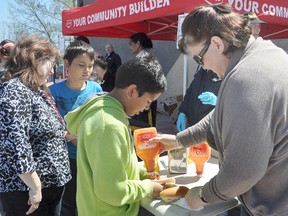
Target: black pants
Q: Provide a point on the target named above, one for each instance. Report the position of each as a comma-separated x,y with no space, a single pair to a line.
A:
2,210
144,212
15,203
69,207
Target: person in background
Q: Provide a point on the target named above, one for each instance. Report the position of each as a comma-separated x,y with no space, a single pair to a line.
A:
99,70
68,95
33,157
86,40
99,55
6,47
249,124
254,22
6,41
83,38
199,100
110,180
140,45
114,62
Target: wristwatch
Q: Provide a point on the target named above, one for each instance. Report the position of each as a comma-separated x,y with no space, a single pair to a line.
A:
201,196
179,144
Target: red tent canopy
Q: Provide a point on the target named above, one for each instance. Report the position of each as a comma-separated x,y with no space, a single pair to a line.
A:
158,18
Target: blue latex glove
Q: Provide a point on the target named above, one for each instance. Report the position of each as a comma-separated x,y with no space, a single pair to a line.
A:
181,122
208,98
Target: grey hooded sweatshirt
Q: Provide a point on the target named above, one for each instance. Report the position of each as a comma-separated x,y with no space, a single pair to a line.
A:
250,126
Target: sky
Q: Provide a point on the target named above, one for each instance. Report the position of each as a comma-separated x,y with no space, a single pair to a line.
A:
4,10
4,19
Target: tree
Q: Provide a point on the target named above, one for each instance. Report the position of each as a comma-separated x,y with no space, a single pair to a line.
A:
4,32
38,17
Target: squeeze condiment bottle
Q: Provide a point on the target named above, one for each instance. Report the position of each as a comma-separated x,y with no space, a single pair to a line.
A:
146,150
199,154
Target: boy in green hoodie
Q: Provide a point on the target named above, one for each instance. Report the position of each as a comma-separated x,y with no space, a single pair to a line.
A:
109,179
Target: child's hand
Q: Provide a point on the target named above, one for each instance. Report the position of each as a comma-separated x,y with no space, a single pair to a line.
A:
153,176
71,138
74,141
157,188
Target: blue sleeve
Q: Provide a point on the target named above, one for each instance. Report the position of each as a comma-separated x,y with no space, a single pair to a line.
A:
62,98
98,88
52,89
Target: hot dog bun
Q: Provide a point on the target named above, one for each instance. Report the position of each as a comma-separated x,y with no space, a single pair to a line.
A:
166,181
172,194
169,185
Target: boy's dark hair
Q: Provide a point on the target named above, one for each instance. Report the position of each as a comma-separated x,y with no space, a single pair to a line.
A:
83,38
101,63
143,39
204,22
77,48
146,73
6,41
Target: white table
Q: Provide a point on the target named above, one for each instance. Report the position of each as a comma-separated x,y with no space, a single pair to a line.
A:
158,207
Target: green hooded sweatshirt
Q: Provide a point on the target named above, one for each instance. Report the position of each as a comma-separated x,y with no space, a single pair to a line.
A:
109,176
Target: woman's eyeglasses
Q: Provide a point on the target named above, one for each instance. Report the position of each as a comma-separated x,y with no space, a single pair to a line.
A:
199,58
52,62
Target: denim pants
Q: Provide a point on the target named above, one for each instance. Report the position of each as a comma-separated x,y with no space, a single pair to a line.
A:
69,207
15,203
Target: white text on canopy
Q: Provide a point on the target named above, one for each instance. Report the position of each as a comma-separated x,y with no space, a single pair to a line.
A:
144,6
254,6
122,11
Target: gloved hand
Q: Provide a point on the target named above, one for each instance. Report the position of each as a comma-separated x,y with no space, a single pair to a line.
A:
181,122
208,98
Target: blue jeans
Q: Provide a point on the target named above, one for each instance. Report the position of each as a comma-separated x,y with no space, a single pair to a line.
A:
15,203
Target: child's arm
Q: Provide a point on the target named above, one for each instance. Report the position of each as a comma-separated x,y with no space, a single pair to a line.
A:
115,174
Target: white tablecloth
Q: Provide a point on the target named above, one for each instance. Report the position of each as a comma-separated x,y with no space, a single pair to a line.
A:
158,207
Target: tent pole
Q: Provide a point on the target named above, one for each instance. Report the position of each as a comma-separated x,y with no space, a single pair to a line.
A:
185,74
275,33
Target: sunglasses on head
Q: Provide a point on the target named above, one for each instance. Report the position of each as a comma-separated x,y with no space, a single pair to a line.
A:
199,58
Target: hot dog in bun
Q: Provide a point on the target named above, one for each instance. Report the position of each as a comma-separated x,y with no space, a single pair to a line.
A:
172,194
